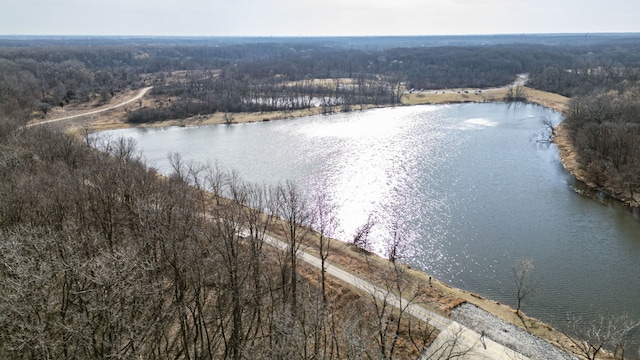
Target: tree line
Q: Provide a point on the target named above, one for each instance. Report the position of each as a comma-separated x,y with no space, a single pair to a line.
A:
601,120
604,129
277,75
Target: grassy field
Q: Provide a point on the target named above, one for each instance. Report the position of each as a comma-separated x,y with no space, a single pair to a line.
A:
547,99
454,96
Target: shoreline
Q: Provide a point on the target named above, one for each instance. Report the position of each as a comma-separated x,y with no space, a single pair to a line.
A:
114,118
569,160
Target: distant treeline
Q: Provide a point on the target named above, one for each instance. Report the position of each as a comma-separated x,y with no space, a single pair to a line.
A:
270,75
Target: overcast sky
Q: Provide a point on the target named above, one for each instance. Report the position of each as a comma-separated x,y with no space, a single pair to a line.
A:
315,17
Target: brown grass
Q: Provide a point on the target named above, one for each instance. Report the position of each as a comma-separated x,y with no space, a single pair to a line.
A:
550,100
116,118
343,299
568,155
453,96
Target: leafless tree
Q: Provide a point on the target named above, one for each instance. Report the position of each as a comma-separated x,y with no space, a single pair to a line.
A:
521,275
324,223
546,134
228,118
397,243
588,339
361,236
294,211
446,347
515,93
391,301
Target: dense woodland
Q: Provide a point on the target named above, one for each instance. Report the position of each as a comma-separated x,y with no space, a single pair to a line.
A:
101,258
605,131
266,76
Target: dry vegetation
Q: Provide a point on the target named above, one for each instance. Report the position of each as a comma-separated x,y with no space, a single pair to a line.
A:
440,297
454,96
543,98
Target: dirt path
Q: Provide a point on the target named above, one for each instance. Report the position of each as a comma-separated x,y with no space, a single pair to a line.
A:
142,92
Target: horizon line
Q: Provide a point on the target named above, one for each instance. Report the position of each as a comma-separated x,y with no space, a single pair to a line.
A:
313,36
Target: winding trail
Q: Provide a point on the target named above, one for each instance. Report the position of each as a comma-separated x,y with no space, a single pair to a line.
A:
142,92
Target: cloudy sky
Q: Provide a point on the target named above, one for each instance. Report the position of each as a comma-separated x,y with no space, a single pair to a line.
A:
315,17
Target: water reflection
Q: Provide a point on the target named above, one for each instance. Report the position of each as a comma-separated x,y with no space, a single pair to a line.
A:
471,184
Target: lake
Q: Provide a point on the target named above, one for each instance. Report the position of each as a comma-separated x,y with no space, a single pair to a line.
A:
470,186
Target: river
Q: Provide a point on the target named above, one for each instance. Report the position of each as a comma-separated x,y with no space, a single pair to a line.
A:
469,185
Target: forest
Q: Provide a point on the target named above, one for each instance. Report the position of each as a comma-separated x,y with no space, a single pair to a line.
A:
102,258
201,78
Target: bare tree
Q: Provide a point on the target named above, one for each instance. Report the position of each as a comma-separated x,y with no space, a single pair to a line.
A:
388,319
257,218
391,301
292,208
397,244
228,118
324,223
588,339
523,286
515,93
546,134
361,236
447,346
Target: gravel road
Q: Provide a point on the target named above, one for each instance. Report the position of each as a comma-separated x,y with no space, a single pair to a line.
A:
507,334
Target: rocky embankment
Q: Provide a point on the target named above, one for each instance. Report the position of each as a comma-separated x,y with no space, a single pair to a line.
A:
507,334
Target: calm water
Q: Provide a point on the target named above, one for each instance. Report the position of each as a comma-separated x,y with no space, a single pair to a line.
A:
474,191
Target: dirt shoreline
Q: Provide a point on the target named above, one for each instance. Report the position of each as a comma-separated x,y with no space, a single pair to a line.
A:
115,118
